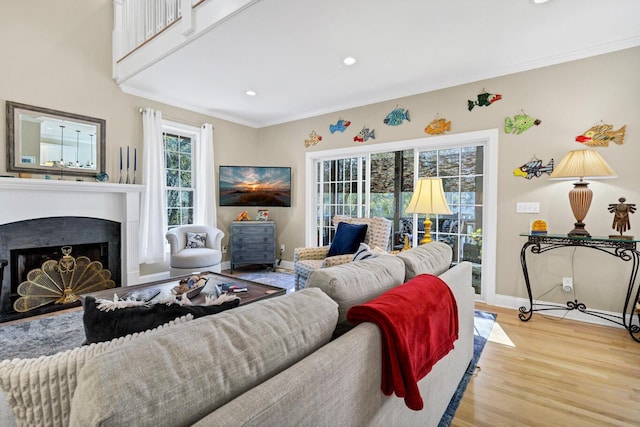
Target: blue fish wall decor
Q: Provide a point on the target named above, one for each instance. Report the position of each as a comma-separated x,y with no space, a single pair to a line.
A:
397,116
340,126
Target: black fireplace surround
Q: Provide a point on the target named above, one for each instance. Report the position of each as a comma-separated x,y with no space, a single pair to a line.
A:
99,239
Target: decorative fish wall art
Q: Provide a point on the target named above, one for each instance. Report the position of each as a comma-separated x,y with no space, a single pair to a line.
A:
520,123
364,135
397,117
484,99
314,138
534,168
438,126
601,134
340,126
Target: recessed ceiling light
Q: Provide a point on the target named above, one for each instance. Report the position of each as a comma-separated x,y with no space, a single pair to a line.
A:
540,1
349,60
251,92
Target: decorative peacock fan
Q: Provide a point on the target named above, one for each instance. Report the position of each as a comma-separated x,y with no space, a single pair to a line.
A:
61,282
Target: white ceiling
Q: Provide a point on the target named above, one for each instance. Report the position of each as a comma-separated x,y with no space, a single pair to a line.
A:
290,52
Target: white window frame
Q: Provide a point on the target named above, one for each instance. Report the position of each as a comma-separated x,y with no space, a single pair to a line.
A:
488,138
193,133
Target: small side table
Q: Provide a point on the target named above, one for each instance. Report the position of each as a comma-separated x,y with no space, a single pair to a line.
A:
622,249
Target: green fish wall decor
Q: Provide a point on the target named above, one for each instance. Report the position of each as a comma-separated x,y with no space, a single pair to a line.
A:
520,123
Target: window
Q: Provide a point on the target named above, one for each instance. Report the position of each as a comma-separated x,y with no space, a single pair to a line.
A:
179,154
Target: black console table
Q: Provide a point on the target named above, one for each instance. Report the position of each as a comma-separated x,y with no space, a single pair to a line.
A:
622,249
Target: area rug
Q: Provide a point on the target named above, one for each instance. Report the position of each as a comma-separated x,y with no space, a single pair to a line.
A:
280,278
59,332
482,324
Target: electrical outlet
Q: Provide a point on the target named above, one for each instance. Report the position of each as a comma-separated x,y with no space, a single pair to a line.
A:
567,284
282,248
224,249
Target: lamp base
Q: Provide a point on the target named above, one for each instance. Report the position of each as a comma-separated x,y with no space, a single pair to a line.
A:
580,199
427,231
578,230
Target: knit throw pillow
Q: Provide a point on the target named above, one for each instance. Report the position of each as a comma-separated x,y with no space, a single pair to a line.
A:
39,391
102,326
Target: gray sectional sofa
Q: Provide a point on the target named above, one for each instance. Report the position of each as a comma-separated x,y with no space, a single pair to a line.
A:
274,362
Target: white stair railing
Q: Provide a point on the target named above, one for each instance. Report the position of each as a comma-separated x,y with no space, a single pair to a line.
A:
138,21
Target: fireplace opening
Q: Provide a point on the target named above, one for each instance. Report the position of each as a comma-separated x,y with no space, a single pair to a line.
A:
27,245
22,261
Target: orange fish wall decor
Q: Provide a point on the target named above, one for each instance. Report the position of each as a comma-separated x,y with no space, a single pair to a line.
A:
438,126
601,134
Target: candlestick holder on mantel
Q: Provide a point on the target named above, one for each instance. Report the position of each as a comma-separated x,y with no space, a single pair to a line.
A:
130,178
120,180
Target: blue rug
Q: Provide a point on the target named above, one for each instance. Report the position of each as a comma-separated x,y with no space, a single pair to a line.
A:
482,323
281,278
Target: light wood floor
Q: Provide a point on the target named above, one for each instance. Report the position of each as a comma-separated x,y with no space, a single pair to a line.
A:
556,373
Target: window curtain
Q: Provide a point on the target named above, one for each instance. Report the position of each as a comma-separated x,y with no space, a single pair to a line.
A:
153,206
205,192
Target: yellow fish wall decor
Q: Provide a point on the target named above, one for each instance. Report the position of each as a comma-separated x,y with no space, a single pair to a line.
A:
600,135
314,138
438,126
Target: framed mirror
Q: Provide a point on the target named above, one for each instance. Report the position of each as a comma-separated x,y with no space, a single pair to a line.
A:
45,141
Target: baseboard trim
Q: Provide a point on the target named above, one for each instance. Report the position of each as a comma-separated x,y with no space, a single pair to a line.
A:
515,303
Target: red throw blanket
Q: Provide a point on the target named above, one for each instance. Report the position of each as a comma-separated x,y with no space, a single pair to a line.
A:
419,323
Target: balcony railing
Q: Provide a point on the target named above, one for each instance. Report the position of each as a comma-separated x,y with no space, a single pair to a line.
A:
138,21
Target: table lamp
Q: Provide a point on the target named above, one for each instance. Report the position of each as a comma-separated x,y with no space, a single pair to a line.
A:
428,198
581,164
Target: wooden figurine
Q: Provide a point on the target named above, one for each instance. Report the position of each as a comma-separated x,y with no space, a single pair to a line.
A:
621,222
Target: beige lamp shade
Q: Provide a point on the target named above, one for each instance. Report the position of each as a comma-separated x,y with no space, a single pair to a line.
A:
580,164
428,198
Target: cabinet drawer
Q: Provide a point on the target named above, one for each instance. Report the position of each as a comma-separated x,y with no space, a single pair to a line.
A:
252,239
252,230
257,258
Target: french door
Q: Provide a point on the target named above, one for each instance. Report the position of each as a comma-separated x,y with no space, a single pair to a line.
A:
380,183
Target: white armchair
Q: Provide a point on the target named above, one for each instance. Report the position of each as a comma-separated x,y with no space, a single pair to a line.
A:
186,260
306,260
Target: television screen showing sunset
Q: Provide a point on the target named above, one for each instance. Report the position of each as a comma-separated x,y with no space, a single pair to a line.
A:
255,186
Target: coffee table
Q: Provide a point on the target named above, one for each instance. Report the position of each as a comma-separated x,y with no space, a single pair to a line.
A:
257,291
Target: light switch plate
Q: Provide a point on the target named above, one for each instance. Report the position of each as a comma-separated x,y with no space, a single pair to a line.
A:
528,207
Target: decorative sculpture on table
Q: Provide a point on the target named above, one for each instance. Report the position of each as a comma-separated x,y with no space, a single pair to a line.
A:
621,213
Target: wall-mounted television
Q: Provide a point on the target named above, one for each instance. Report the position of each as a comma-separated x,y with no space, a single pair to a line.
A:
254,186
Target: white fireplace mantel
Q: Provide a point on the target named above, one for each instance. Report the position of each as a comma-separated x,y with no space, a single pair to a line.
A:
22,199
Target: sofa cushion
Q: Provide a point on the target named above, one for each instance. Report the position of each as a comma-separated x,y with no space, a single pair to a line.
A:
106,325
196,257
357,282
347,239
432,258
39,391
185,374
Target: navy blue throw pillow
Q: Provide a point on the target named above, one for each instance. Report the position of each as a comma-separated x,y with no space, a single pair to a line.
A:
347,239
